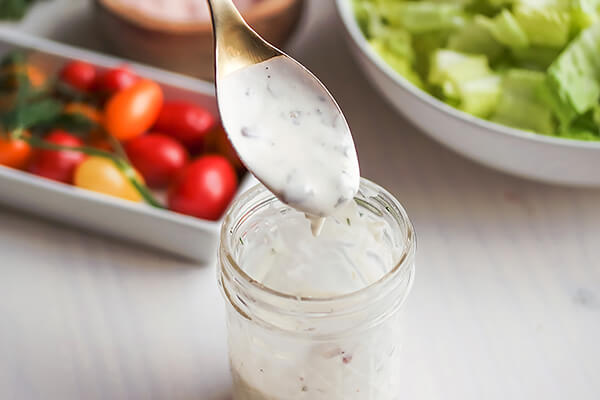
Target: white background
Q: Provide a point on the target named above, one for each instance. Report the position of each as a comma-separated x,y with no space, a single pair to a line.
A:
506,303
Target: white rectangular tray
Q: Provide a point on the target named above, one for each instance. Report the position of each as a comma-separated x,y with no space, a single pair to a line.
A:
160,229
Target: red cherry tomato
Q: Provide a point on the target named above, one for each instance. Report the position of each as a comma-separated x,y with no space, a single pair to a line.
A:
186,122
14,153
58,165
117,79
157,157
204,188
130,112
79,74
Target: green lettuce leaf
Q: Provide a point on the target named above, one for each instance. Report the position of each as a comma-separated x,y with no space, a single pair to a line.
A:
420,17
369,19
544,27
575,75
466,80
505,29
396,50
475,39
584,13
519,105
479,96
448,69
535,58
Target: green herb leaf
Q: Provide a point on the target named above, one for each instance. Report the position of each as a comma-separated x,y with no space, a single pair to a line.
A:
69,93
14,9
25,116
130,173
74,123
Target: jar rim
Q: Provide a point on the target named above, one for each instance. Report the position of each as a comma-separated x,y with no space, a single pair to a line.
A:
403,259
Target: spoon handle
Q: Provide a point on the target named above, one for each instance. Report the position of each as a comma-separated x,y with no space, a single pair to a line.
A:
224,13
237,45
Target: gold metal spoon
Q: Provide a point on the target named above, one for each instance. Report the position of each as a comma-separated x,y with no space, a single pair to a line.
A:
237,45
286,127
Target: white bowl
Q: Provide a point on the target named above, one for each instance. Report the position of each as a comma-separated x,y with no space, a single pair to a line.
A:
522,153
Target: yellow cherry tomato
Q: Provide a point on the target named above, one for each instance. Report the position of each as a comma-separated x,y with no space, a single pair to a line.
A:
101,175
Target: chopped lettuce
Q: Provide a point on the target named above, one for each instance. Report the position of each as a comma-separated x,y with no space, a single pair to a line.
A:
396,50
467,79
475,39
575,75
578,133
563,111
479,96
424,44
535,58
584,13
544,27
449,69
545,4
505,29
420,17
529,64
523,83
520,106
369,19
396,42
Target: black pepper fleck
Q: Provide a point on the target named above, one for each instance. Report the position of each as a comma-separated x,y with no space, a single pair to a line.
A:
339,202
334,122
289,177
248,132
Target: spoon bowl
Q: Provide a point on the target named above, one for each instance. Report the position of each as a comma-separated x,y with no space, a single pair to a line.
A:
285,125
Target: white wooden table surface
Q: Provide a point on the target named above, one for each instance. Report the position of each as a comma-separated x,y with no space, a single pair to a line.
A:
506,304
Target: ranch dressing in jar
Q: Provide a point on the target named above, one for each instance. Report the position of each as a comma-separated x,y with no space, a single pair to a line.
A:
316,318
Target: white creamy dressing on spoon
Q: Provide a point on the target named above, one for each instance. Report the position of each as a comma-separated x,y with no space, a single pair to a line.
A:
291,135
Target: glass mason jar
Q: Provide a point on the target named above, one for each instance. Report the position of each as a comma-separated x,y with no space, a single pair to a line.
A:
286,346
